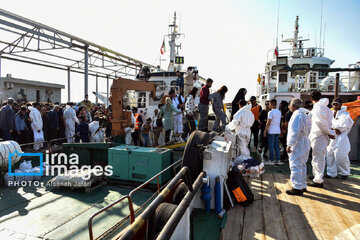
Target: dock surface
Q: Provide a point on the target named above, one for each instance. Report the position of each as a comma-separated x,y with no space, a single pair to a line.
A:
332,212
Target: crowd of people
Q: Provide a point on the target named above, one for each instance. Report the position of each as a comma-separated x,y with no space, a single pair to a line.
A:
38,123
300,127
297,127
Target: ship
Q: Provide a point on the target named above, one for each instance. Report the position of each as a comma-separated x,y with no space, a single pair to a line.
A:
296,72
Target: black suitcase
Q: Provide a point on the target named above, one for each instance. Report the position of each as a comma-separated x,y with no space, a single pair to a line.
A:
238,187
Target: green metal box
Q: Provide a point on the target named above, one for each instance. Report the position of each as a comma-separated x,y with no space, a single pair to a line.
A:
139,164
119,160
89,153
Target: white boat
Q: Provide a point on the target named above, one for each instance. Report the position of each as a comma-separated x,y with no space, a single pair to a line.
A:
296,72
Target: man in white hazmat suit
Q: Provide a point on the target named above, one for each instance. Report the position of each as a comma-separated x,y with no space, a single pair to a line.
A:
36,125
96,131
321,120
241,123
298,146
70,120
339,148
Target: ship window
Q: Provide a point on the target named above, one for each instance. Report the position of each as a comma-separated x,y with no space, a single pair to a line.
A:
274,70
141,100
158,83
304,69
321,66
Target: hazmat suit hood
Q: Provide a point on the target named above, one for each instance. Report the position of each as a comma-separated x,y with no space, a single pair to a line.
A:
321,117
324,102
304,110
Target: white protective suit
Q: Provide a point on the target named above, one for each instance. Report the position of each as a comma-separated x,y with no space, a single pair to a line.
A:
178,125
321,120
297,139
96,133
37,126
339,148
70,120
241,123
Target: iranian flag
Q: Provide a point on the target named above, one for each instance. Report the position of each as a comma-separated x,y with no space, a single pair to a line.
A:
276,51
162,49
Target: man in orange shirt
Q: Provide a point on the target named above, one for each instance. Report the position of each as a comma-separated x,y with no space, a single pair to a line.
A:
255,109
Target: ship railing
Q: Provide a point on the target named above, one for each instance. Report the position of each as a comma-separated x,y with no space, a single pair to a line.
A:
303,52
129,197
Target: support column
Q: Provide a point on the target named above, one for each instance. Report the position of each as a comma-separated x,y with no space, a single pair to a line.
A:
107,89
86,69
337,85
68,83
96,90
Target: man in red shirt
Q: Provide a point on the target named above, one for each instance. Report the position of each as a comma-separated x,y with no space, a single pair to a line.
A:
204,104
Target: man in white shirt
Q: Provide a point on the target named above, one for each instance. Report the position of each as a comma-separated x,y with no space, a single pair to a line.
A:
36,125
272,130
70,120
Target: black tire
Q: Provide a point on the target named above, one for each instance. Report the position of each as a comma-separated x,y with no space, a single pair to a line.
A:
192,157
179,193
162,214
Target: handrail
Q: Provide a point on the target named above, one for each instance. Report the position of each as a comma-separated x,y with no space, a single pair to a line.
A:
102,210
129,197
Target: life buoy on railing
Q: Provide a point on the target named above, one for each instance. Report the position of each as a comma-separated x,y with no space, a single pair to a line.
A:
7,147
330,87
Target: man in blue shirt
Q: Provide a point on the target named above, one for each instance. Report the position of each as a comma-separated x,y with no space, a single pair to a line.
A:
83,130
180,82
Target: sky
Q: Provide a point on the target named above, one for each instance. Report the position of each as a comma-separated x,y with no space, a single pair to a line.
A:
227,40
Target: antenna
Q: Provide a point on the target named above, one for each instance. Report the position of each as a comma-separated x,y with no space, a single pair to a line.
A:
321,21
315,40
324,39
277,27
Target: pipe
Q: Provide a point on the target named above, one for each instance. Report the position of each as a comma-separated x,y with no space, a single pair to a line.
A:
175,218
206,196
217,195
228,193
146,214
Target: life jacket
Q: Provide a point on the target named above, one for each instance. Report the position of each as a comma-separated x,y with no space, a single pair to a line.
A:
256,111
137,122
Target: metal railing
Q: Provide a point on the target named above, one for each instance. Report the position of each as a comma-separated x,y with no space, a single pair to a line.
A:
130,202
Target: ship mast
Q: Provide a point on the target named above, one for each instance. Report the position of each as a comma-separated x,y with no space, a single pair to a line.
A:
296,41
174,49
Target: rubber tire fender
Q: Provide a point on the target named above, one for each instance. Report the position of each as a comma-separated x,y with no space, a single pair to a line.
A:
192,157
179,193
160,217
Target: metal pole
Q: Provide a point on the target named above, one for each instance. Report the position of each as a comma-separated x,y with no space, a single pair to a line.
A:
96,89
86,70
107,89
337,87
68,81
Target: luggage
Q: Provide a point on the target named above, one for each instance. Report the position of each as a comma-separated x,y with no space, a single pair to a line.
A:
239,188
